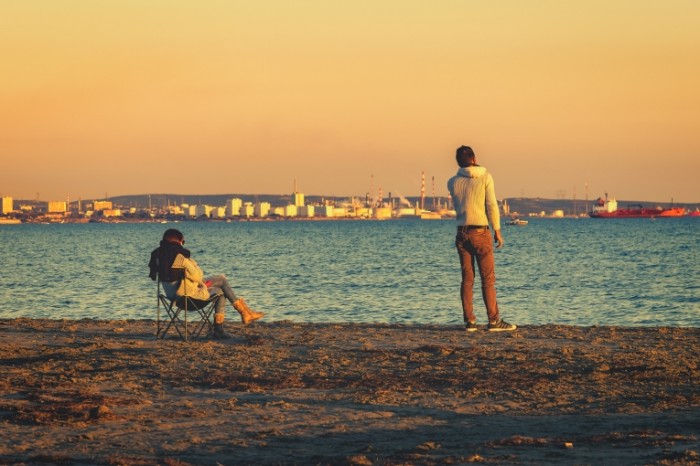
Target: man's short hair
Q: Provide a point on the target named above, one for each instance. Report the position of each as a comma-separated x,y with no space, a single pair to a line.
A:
172,234
465,156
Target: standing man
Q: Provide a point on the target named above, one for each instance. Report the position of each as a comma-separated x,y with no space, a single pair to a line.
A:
474,199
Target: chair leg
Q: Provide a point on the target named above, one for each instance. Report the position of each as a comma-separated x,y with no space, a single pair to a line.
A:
174,321
163,325
179,319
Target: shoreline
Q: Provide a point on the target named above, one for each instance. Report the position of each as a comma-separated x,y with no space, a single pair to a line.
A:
108,392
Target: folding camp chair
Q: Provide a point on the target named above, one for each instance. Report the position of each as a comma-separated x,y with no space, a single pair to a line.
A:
178,308
177,311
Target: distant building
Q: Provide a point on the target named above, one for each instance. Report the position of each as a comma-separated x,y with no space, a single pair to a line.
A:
111,212
382,213
6,206
325,211
102,205
56,207
406,211
201,210
233,207
297,199
262,209
506,207
247,210
363,212
218,212
306,211
290,211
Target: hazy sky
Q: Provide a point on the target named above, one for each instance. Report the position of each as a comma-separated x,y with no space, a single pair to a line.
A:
148,96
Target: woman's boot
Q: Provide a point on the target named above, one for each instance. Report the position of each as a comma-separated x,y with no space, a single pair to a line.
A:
247,314
219,332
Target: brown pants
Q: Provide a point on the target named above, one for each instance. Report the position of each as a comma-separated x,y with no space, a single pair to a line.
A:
477,246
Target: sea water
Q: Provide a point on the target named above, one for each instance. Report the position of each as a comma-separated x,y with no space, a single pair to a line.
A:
630,272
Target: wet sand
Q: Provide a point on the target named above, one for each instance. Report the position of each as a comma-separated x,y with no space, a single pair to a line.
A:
108,392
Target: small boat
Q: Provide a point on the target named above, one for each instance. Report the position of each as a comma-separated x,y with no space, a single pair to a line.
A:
516,221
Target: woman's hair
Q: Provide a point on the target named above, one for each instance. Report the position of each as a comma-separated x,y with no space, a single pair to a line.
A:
172,234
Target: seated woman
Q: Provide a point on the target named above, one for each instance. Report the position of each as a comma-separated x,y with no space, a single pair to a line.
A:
180,275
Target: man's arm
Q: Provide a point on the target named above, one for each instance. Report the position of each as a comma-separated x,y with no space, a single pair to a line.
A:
492,211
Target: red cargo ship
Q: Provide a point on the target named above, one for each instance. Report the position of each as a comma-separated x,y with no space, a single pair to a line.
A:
605,208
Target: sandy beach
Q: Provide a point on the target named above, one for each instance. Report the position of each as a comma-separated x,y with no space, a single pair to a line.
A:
108,392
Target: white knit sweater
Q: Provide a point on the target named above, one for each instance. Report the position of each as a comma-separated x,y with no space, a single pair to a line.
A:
474,197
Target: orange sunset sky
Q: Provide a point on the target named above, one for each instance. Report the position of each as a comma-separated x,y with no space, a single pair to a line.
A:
112,97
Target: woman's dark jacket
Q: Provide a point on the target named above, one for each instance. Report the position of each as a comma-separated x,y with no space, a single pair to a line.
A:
162,259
